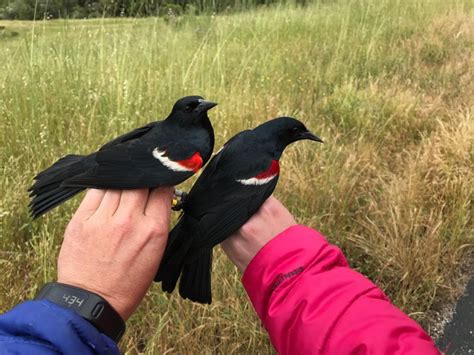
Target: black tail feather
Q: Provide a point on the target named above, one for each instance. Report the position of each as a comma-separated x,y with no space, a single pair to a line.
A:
65,193
56,172
179,243
47,192
45,195
195,282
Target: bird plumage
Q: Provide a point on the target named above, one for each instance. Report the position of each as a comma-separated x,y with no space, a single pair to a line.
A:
230,190
161,153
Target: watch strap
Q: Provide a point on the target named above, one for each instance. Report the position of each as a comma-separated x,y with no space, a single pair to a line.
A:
87,304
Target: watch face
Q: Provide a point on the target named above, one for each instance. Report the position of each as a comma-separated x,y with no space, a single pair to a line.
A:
68,297
73,300
88,305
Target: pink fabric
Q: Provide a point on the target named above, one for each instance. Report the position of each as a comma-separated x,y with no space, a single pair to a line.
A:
311,302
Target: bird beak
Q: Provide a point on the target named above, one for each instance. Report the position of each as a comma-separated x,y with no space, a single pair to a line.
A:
311,136
205,106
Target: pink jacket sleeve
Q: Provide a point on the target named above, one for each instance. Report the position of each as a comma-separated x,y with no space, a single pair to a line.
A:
311,302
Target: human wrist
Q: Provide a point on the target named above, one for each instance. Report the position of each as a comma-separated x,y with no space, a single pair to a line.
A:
121,306
269,221
86,304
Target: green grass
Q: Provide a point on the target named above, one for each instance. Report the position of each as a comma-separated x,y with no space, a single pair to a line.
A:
384,83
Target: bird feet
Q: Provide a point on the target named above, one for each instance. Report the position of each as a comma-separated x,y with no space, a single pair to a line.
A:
178,201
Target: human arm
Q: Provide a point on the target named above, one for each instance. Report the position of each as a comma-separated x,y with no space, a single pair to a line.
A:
112,247
308,298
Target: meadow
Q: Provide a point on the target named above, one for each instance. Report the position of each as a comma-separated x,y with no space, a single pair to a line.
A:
388,85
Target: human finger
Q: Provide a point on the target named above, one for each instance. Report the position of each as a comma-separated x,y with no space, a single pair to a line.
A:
109,203
132,202
159,203
90,203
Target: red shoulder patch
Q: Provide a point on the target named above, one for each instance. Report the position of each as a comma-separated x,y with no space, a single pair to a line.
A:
273,170
193,163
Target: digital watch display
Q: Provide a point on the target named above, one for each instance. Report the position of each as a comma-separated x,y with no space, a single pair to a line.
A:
88,305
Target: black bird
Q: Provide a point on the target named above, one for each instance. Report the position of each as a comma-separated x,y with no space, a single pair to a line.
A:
232,187
162,153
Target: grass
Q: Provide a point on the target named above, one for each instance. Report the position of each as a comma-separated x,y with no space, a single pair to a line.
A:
385,83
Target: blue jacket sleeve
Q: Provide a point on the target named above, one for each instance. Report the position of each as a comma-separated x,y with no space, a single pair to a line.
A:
41,327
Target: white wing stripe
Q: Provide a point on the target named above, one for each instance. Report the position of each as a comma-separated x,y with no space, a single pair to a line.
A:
172,165
255,181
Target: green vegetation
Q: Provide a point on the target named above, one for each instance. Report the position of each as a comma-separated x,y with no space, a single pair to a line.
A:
385,83
49,9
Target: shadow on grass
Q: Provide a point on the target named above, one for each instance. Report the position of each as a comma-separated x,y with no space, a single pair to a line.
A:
6,33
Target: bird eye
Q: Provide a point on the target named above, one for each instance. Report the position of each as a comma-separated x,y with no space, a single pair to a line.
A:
188,109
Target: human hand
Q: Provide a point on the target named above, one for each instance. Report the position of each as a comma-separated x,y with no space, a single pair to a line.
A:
114,243
271,219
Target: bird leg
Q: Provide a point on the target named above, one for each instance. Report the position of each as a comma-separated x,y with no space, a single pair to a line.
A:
178,200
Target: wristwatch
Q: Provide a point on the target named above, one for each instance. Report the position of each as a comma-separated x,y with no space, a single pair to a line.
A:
88,305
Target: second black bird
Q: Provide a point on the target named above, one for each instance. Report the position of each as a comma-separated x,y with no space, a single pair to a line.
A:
230,190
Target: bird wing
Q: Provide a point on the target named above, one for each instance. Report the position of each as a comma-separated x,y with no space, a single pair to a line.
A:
218,200
230,214
139,163
136,133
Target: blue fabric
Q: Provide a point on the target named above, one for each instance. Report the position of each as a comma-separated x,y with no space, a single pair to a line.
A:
41,327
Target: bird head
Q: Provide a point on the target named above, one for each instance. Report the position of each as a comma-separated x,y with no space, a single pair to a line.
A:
286,130
191,109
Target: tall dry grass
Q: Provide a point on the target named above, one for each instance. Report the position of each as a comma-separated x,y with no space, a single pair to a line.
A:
385,83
